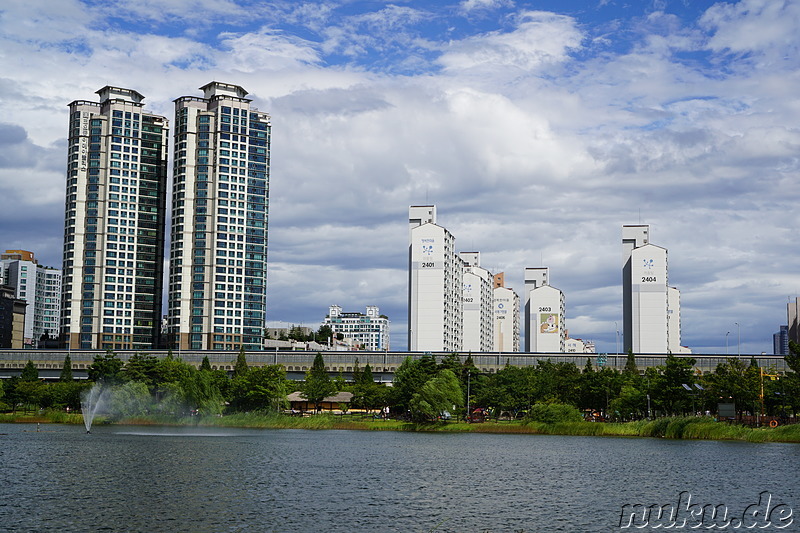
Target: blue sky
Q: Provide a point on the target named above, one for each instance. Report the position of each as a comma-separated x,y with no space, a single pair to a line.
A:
537,128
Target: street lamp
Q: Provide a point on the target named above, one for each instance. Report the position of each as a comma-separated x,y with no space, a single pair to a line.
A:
726,342
616,327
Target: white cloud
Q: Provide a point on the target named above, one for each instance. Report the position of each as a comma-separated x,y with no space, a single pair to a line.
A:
534,148
540,38
753,26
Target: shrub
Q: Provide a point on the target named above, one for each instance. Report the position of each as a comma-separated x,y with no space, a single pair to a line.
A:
552,413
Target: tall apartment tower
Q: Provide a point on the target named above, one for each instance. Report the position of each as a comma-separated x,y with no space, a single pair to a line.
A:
40,287
545,309
632,237
114,223
435,284
218,248
646,296
477,305
506,316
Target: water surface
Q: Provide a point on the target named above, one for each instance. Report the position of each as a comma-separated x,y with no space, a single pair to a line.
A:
124,478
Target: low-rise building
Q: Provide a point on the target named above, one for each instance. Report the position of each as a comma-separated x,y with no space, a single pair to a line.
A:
40,287
365,331
12,319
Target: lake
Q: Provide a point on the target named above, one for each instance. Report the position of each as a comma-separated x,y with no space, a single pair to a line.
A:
129,478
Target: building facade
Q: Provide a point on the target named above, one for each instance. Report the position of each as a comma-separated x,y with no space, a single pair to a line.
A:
506,318
218,248
780,341
633,237
114,223
649,301
793,317
40,287
477,305
12,319
546,326
435,285
535,278
367,331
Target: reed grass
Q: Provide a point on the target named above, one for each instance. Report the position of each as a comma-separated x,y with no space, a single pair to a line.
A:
697,428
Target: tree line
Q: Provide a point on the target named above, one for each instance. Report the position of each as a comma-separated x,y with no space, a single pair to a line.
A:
422,388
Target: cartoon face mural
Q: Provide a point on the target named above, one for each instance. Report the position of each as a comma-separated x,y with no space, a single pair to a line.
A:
548,323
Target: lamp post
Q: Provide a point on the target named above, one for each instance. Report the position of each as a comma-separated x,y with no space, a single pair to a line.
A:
616,327
726,342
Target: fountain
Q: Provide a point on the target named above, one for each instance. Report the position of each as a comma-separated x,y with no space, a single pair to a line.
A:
90,403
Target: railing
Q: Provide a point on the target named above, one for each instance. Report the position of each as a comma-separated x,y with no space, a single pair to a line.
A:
384,362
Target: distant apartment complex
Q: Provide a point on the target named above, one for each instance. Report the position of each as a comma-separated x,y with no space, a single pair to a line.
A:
367,331
218,247
40,287
114,223
454,304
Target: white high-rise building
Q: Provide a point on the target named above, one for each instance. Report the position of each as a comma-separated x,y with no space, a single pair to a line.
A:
632,237
369,330
114,223
40,287
435,285
506,317
218,248
535,278
674,322
546,331
478,305
539,307
651,308
649,322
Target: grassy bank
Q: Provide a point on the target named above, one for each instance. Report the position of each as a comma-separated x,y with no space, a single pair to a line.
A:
672,428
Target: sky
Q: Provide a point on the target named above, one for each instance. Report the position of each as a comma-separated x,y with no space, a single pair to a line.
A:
537,128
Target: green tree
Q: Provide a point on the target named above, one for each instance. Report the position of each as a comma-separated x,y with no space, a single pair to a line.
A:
30,372
261,389
630,369
130,399
142,368
734,380
66,370
318,384
409,378
324,334
197,390
630,404
366,393
438,395
240,367
30,393
105,368
206,364
667,384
